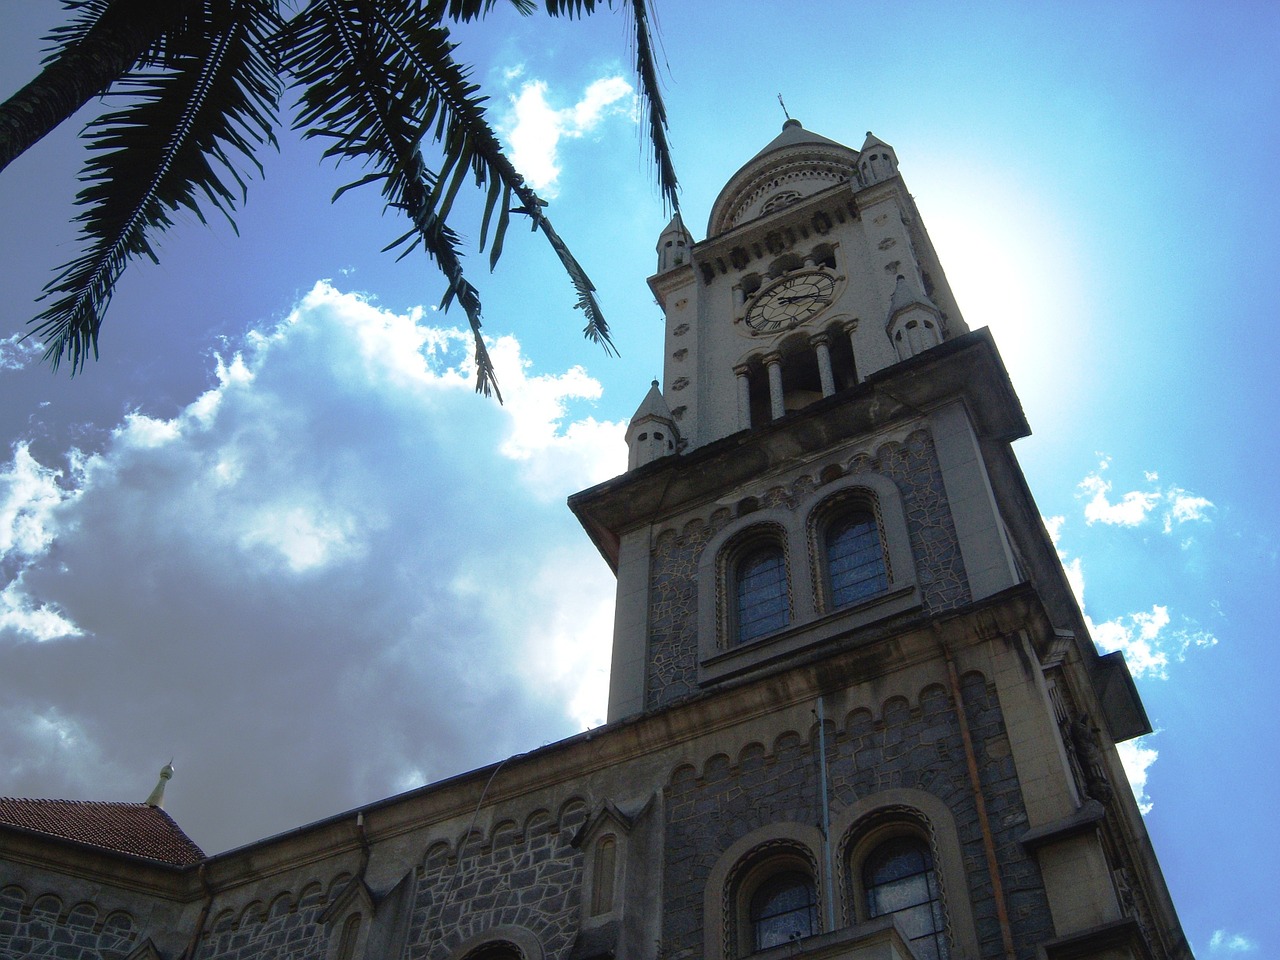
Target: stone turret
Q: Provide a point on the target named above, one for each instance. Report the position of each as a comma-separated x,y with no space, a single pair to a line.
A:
914,323
652,431
673,245
876,160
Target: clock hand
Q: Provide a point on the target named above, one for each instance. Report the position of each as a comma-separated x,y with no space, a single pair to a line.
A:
804,296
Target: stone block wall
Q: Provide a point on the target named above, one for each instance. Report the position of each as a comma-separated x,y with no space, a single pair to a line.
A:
913,746
38,924
286,928
911,464
531,879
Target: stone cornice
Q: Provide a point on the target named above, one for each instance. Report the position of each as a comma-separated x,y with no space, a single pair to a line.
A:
968,366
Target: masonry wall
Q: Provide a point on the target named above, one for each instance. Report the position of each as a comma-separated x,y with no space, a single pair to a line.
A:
35,923
912,464
915,746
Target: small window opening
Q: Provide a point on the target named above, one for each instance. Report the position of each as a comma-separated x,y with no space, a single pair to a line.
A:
899,880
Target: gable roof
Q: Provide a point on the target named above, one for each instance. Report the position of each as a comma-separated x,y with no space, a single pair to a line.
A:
136,829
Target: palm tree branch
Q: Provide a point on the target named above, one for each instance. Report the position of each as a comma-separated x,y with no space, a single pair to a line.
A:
655,108
353,99
169,149
469,142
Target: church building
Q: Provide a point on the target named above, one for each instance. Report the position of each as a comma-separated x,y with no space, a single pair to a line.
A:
854,714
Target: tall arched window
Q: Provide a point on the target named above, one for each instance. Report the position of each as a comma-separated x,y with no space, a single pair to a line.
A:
855,558
782,909
604,869
760,593
898,878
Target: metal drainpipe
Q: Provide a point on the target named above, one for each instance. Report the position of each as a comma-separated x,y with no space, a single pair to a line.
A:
988,841
829,881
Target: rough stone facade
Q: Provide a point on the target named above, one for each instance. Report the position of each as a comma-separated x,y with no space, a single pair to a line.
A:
36,924
913,467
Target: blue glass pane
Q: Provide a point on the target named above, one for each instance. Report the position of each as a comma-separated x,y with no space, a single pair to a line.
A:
855,560
762,594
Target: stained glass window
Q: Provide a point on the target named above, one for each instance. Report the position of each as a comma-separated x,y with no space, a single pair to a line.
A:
855,559
761,587
899,879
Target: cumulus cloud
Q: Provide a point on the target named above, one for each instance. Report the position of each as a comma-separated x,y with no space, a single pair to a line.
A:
1148,641
334,575
1221,941
535,128
17,351
1173,505
1137,758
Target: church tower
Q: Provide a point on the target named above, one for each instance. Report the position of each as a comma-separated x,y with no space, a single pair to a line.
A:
855,712
832,555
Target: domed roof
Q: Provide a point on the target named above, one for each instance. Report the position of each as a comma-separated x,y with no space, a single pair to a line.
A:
794,164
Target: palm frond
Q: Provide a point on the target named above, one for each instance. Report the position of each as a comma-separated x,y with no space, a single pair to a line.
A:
174,147
167,21
454,116
654,107
363,95
467,10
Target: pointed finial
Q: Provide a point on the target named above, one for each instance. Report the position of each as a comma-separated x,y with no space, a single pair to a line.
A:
157,795
784,107
655,381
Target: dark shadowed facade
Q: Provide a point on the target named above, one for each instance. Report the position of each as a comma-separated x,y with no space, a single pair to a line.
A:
854,708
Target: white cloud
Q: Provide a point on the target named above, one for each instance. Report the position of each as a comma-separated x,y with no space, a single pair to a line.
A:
1136,506
1130,511
1072,566
1137,759
534,128
1147,642
29,493
1231,942
337,536
16,352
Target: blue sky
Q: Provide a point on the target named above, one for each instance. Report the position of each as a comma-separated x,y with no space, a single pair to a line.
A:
273,534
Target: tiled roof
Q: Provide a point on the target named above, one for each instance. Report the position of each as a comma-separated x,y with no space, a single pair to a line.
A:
133,828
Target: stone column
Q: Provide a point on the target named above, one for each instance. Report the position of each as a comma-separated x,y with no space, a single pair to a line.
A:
744,397
776,405
820,347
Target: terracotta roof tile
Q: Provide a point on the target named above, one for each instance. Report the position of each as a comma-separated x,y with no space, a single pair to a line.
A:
132,828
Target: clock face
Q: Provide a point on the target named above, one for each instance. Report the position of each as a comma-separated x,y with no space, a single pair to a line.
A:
790,302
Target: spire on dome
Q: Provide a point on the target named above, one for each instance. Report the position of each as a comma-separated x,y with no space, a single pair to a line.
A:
157,795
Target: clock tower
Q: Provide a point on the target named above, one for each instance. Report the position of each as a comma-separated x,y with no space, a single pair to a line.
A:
823,528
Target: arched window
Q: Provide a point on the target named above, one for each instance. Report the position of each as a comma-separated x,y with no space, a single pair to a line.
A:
855,558
898,878
782,909
605,868
350,937
760,593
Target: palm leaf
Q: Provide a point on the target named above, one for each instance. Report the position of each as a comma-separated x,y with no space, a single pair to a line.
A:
655,109
454,116
174,147
361,94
